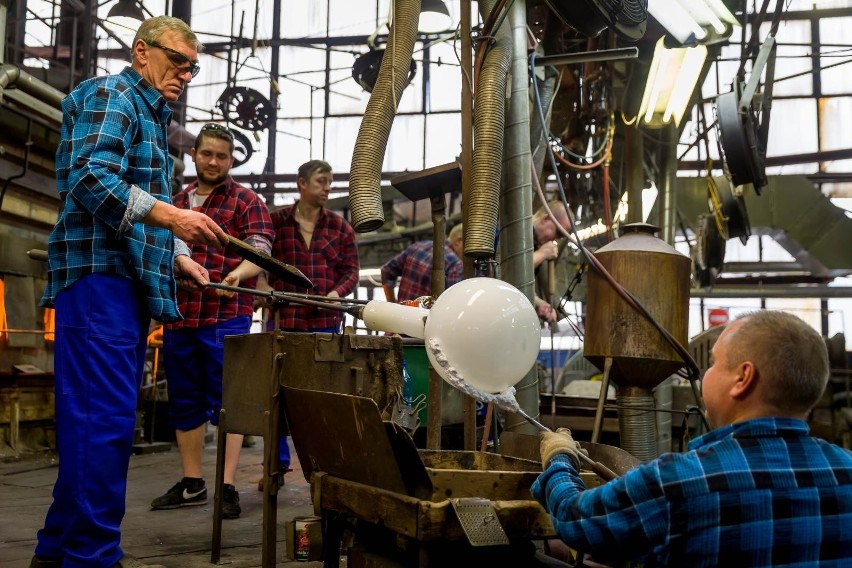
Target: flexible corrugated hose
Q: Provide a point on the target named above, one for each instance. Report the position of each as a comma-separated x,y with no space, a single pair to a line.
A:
365,192
489,125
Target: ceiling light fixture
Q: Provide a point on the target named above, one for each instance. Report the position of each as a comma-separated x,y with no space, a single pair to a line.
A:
434,17
671,80
129,9
693,21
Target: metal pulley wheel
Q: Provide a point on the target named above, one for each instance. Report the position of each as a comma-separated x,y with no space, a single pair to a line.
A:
727,204
243,148
246,108
709,254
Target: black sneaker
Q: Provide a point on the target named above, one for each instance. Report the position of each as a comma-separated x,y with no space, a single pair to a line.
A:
186,493
230,502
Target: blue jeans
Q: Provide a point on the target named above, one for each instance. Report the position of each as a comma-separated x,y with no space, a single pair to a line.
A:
99,355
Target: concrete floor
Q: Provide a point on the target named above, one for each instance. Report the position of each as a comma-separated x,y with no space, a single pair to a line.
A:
177,538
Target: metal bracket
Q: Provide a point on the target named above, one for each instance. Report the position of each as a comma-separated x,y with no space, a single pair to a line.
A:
479,520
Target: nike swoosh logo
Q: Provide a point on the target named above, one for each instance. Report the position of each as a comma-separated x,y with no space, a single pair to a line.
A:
188,495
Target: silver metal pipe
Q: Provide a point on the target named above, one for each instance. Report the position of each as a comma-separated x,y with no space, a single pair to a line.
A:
637,425
12,75
588,56
763,267
516,242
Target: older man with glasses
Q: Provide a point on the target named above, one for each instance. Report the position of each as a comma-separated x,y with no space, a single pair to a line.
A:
114,259
193,349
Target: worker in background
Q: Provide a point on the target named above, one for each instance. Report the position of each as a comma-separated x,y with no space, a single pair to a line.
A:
755,491
193,349
546,248
546,233
322,245
413,268
113,257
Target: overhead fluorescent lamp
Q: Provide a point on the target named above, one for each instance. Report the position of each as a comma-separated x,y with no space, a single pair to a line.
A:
677,20
671,80
691,21
722,12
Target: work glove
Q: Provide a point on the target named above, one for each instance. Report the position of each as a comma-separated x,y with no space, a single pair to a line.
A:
559,442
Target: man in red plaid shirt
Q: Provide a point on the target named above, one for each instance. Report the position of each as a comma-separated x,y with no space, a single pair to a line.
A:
318,242
322,245
193,348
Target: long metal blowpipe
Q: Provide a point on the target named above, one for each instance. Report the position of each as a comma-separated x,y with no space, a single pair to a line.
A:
304,299
505,400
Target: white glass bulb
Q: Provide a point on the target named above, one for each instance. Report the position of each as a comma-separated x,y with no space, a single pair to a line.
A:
487,330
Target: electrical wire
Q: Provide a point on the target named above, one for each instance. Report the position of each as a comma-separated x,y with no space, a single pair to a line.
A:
691,366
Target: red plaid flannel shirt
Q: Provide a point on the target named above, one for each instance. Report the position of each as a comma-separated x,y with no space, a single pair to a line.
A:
331,263
241,213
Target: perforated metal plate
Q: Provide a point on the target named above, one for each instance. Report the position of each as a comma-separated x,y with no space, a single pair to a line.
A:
479,521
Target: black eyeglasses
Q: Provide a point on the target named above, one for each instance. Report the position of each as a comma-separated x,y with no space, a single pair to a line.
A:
218,130
178,59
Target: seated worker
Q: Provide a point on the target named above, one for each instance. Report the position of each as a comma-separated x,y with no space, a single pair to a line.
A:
413,268
755,491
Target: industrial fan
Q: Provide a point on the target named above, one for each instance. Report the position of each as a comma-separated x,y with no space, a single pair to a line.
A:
742,136
628,18
246,108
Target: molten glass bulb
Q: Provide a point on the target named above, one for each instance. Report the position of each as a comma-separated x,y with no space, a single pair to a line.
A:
487,330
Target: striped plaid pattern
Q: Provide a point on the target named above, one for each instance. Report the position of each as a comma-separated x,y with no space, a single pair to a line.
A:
243,214
413,268
114,135
755,493
331,262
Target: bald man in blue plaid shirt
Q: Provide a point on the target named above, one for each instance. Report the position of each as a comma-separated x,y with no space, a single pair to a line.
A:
113,260
755,491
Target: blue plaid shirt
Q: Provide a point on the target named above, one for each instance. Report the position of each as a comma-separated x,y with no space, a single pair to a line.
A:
755,493
111,165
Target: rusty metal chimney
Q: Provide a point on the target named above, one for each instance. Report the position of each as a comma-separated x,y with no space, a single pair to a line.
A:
622,340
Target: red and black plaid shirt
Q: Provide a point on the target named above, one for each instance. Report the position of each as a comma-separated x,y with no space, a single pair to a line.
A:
331,263
241,213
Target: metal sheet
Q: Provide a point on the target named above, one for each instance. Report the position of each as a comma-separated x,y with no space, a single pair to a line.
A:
282,270
343,436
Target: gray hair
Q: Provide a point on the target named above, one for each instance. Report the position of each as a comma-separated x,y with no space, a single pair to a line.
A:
152,28
787,352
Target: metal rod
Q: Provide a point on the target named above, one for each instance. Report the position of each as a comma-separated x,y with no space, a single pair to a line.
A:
599,414
773,292
603,471
588,56
327,304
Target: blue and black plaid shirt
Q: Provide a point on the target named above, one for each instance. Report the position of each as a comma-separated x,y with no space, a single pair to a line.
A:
755,493
111,166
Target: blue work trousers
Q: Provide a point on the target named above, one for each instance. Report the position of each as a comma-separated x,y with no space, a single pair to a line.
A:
99,355
193,359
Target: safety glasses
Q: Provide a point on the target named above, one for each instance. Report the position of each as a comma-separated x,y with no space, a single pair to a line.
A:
178,59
